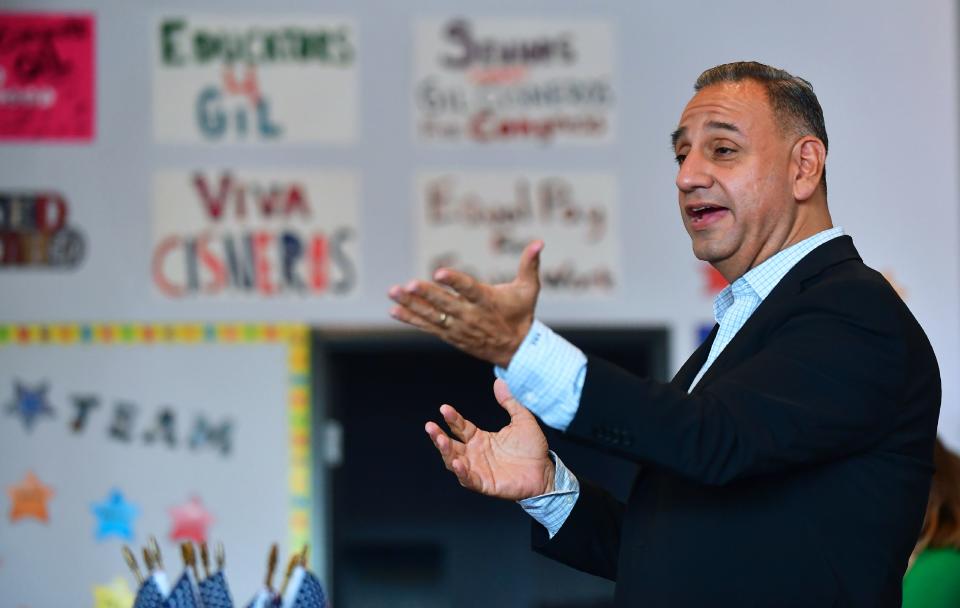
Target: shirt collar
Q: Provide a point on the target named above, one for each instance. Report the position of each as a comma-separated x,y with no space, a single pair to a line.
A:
759,281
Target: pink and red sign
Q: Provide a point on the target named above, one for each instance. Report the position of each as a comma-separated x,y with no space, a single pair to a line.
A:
46,77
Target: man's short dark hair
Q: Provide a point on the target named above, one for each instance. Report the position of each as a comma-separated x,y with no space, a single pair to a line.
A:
792,99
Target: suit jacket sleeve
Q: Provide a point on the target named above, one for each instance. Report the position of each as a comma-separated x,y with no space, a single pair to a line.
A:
589,539
825,380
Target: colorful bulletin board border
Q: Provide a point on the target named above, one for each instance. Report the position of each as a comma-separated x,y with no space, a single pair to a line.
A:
295,337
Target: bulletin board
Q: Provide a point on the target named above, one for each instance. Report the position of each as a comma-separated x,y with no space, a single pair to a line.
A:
110,433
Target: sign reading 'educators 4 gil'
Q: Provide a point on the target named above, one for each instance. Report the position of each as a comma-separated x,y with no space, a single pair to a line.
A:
255,79
264,234
511,80
479,222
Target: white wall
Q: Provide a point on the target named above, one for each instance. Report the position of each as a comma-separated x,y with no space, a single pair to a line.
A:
885,73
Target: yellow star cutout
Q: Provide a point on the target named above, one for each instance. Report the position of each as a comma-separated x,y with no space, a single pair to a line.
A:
30,498
115,595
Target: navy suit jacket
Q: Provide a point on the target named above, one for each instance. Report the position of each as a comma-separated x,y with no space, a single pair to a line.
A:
795,474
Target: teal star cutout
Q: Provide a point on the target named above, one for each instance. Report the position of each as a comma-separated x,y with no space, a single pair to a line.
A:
114,517
30,404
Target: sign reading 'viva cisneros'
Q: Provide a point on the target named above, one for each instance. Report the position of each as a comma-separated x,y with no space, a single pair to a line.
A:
255,233
268,79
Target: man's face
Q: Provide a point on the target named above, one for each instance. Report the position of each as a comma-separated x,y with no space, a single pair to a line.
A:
734,183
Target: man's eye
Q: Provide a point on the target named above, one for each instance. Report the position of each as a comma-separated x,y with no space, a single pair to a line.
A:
723,151
680,158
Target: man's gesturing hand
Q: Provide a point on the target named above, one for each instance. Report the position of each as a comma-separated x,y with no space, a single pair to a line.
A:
512,463
486,321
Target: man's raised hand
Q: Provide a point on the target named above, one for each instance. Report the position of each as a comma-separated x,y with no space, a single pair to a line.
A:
486,321
512,463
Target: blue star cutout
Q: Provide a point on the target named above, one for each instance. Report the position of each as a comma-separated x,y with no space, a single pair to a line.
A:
115,517
30,404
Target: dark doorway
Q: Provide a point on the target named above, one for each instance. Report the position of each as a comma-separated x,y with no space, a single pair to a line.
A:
404,532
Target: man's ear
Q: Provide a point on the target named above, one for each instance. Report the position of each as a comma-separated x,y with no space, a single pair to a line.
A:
809,157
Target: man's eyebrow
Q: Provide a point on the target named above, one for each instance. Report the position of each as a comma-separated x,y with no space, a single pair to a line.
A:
726,126
677,135
713,124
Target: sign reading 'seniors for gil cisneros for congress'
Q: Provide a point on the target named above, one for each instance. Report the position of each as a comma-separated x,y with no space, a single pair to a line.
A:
255,79
500,81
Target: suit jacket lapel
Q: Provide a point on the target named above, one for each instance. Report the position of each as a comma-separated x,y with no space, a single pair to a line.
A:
777,304
693,364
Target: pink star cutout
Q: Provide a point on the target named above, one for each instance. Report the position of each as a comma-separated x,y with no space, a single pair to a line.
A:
190,521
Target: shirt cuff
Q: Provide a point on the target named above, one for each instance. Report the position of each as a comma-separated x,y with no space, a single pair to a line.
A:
552,509
546,375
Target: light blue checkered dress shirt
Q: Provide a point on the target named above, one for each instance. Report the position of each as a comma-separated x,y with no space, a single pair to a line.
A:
547,373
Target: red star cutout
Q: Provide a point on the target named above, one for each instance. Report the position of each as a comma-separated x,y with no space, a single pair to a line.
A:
190,521
714,280
30,499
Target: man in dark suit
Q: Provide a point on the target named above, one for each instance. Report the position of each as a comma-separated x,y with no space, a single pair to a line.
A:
788,462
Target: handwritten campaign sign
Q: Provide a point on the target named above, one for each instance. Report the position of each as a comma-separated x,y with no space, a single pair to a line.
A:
257,79
255,233
47,77
513,80
479,222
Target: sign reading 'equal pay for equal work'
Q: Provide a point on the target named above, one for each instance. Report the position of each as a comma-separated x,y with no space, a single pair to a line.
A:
479,222
262,79
487,81
258,234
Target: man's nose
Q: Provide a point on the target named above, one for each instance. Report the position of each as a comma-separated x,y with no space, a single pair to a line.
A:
694,173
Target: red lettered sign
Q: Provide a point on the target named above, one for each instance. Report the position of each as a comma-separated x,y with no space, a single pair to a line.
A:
46,77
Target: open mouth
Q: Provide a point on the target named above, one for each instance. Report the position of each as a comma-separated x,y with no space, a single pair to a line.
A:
704,213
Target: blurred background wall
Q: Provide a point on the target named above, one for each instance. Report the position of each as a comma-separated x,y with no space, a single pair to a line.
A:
287,162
